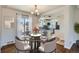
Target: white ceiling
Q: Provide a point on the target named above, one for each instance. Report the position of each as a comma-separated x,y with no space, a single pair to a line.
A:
29,8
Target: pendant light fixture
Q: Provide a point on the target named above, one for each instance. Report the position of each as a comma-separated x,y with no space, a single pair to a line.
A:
35,11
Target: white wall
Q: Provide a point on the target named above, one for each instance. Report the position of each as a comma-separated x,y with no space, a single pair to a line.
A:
60,33
77,14
77,20
8,34
69,17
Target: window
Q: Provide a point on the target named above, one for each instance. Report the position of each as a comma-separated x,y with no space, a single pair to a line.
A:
24,25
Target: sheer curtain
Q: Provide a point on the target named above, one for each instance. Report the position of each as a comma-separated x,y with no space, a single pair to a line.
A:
24,23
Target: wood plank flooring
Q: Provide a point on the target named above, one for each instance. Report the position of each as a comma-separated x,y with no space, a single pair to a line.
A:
12,49
9,49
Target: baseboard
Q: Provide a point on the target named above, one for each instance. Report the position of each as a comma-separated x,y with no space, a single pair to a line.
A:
70,46
7,44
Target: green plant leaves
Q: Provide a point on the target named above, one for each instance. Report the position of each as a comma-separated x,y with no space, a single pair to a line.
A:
76,27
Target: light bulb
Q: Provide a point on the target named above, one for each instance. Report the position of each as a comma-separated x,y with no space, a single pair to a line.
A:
36,10
32,12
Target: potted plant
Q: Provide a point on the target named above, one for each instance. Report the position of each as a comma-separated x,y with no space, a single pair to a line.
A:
35,30
76,28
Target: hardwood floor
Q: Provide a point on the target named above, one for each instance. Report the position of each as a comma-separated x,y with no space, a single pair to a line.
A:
9,49
12,49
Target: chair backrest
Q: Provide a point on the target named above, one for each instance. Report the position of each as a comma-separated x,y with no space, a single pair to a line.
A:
50,46
43,38
20,44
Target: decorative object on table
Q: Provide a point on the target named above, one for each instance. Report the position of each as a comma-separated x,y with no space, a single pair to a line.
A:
35,30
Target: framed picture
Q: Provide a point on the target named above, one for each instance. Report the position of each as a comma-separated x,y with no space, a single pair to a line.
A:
8,22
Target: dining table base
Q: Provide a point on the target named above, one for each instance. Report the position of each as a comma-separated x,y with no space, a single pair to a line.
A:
35,44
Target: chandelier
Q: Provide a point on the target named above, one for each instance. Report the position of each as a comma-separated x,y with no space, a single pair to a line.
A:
35,11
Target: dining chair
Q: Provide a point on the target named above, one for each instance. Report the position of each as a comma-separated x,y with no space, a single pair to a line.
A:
22,46
49,46
43,38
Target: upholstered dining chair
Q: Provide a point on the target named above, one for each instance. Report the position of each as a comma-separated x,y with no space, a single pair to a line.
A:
48,46
22,45
43,38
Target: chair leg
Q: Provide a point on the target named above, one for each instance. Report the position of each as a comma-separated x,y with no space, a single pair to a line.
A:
54,51
20,51
27,51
